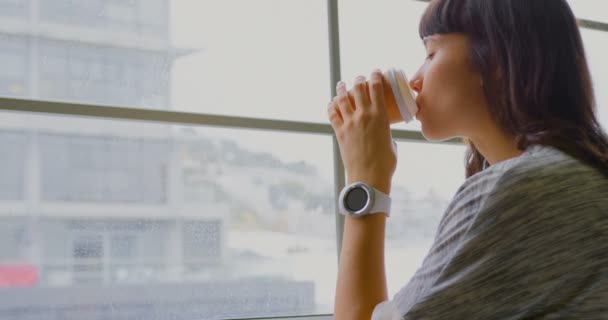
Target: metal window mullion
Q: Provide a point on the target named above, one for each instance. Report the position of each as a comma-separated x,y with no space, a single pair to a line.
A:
335,76
593,25
160,116
339,183
52,108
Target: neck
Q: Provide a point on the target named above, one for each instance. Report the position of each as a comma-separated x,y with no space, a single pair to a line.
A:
495,146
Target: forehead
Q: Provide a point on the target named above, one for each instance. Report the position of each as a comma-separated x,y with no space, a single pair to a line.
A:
456,40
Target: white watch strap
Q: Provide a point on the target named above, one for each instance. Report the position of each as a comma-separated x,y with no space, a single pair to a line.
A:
382,203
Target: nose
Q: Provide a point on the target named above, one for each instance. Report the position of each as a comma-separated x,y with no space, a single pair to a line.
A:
416,83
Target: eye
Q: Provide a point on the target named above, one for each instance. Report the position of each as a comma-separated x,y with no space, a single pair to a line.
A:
430,56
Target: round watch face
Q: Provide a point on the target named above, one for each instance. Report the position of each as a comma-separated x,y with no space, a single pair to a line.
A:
356,199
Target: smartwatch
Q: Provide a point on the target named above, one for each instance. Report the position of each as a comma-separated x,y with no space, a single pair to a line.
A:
360,199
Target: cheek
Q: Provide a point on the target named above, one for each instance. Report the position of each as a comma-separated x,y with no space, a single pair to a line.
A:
453,88
451,99
441,91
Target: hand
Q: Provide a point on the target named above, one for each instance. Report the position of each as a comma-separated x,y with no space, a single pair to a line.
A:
360,122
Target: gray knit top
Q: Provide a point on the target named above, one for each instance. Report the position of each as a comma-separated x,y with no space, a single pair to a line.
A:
526,238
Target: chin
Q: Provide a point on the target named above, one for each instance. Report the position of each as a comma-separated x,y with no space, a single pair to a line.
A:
426,133
435,135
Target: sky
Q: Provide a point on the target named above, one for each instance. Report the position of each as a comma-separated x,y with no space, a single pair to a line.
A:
270,59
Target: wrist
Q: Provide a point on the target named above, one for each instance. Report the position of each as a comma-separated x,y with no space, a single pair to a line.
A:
383,185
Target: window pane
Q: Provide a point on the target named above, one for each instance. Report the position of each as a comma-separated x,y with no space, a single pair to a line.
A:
380,34
12,241
263,58
268,59
424,183
190,222
79,72
14,8
399,45
597,51
590,9
14,52
103,169
117,15
12,172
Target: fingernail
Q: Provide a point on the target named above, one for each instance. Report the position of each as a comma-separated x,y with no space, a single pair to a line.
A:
340,84
359,79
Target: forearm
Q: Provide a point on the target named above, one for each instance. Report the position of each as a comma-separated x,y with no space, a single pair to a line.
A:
361,275
364,136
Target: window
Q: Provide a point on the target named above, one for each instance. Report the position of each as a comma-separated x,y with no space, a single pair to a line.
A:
153,17
73,12
202,243
14,8
12,172
14,53
88,251
107,76
88,246
123,246
121,12
13,240
398,46
143,17
205,61
589,9
424,183
216,199
103,169
124,203
596,50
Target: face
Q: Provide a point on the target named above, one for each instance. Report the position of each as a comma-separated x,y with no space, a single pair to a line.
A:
450,95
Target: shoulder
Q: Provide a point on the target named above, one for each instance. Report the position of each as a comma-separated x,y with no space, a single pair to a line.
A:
512,176
546,192
543,180
547,176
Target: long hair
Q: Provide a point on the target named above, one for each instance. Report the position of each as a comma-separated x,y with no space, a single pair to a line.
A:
535,76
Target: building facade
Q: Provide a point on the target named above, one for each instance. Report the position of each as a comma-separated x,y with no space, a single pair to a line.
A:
102,204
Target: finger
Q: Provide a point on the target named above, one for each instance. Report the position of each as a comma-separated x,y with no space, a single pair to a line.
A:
376,91
344,104
360,94
335,118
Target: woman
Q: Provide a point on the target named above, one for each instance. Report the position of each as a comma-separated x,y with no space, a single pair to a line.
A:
526,235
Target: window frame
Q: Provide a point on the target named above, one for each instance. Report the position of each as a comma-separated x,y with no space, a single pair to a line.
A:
152,114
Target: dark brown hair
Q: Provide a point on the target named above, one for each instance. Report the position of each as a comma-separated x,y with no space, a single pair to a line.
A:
536,79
